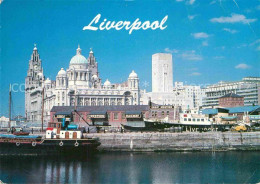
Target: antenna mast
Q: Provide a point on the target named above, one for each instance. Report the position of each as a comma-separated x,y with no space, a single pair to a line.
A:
10,100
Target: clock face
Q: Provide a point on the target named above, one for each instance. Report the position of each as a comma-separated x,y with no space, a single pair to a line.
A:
35,67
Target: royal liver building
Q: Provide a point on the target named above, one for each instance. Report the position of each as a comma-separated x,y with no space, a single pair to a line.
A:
79,85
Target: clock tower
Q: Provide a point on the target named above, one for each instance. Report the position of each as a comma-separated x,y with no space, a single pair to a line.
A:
33,83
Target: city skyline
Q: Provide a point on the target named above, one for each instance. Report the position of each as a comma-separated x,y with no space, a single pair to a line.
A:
207,46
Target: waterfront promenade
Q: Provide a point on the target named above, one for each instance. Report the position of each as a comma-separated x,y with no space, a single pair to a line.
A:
173,141
185,141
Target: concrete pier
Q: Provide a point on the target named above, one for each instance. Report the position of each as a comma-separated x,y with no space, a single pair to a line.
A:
186,141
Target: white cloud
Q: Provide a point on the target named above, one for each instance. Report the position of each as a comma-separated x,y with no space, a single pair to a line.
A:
242,45
219,57
191,2
212,2
255,42
205,43
191,17
200,35
171,50
232,31
242,66
195,74
193,69
191,55
235,18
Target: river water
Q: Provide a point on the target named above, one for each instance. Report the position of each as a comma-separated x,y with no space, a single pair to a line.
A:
190,167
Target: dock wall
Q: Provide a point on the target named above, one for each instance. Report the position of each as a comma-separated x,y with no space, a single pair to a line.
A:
186,141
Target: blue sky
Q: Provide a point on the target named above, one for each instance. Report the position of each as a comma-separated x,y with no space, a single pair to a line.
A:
210,40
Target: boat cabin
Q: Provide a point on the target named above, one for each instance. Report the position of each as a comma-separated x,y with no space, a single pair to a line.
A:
58,130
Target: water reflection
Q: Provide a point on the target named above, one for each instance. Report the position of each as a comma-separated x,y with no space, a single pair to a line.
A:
222,167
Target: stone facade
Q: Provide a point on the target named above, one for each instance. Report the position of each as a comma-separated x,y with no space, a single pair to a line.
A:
79,85
185,141
33,87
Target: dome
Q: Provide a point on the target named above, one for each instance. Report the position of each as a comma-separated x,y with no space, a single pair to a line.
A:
40,75
107,83
94,77
35,48
62,72
78,58
47,81
133,75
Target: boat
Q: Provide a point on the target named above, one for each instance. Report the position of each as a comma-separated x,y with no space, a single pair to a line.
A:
146,125
59,140
190,120
21,133
18,131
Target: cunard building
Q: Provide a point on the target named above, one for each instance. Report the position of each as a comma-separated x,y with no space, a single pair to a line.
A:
79,85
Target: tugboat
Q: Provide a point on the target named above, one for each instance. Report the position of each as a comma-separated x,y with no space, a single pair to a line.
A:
60,139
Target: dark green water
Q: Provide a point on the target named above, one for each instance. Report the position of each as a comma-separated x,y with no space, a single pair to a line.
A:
196,167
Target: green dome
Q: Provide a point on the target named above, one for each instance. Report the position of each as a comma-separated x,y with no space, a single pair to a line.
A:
78,59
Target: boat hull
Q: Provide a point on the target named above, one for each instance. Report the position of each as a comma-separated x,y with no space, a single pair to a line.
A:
49,147
161,126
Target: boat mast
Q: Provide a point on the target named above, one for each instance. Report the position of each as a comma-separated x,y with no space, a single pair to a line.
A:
43,87
10,100
42,106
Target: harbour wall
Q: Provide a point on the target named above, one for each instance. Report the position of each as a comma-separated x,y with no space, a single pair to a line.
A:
186,141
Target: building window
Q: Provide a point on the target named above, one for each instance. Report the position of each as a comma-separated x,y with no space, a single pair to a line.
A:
115,115
168,112
202,119
189,119
185,119
198,119
123,115
162,113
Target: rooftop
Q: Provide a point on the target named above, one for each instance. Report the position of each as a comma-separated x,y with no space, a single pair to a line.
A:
240,109
101,108
233,95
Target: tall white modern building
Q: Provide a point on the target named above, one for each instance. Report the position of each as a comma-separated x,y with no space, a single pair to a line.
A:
163,92
162,75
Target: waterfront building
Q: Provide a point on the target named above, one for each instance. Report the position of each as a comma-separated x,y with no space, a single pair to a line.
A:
79,85
4,122
231,100
113,115
248,87
230,114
